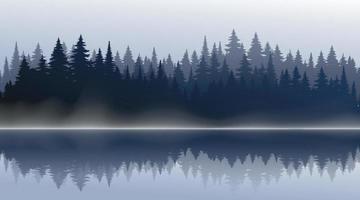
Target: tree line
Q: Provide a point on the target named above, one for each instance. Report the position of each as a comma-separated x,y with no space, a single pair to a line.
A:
214,83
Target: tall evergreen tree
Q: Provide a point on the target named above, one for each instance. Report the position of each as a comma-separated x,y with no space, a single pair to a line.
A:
128,59
321,83
202,75
109,64
205,52
270,70
194,60
344,86
118,62
6,75
244,72
179,76
35,59
224,72
15,63
186,64
79,64
332,64
214,66
255,53
234,51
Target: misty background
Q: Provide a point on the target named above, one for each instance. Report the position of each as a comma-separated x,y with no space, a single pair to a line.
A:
177,25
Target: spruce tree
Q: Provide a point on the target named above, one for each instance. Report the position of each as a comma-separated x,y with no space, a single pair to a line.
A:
270,70
79,64
234,51
35,59
344,86
205,51
224,72
244,72
128,59
321,83
109,65
179,76
15,63
202,75
186,64
296,77
255,53
214,66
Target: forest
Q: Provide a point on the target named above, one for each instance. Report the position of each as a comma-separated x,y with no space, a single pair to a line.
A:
215,83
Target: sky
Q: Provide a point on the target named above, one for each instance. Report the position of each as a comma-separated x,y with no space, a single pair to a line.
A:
172,26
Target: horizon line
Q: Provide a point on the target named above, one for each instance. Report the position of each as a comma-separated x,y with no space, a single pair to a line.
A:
260,128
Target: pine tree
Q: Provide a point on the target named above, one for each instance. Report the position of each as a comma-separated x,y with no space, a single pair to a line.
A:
15,63
305,84
255,52
344,86
194,60
321,83
332,67
6,75
271,74
109,65
244,72
224,72
79,64
93,56
278,60
295,82
139,72
202,75
299,62
186,64
59,72
35,59
234,51
267,52
321,63
128,59
179,76
99,65
154,59
285,81
220,53
118,62
214,66
205,51
169,66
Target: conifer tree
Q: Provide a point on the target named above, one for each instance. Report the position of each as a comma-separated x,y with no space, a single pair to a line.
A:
305,84
289,62
15,63
332,64
214,66
285,82
202,75
271,74
99,64
194,60
6,75
118,62
186,64
224,72
205,51
179,76
234,51
79,64
154,59
321,83
244,72
35,59
109,65
139,72
344,86
295,82
128,59
255,53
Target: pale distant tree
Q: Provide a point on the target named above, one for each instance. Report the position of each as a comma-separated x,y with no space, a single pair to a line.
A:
255,53
154,58
205,52
234,51
15,63
278,60
289,63
194,60
186,64
128,59
299,62
93,56
267,52
35,59
220,53
6,75
118,62
332,68
169,66
321,62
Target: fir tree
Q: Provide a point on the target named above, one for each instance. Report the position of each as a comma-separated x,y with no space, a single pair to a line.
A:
35,59
179,76
271,74
202,74
321,83
234,51
15,63
109,65
214,66
185,63
80,65
255,52
244,72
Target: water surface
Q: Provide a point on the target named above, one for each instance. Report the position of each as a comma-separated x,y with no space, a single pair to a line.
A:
165,165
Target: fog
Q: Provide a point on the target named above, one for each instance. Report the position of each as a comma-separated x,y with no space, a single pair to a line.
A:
307,25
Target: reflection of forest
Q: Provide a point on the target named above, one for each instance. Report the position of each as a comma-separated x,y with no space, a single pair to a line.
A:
219,158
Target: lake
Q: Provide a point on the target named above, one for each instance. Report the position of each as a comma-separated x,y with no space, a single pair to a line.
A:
191,165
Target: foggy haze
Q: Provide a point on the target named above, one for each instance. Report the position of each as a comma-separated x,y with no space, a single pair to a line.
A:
173,26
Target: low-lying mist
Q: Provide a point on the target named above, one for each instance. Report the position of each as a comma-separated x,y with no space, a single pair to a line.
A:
53,114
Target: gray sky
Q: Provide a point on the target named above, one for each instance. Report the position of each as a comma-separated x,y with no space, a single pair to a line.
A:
175,25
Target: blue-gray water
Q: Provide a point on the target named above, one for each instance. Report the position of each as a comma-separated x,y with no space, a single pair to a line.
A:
170,165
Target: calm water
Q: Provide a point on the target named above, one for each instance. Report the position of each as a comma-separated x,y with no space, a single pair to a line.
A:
179,165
